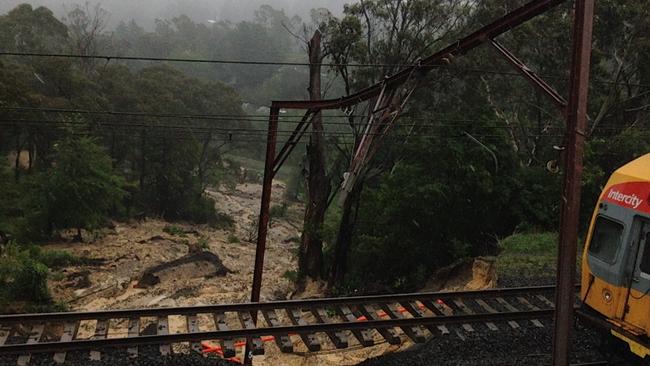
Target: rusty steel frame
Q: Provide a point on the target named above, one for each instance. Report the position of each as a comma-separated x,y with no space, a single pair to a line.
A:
438,59
531,76
574,109
576,122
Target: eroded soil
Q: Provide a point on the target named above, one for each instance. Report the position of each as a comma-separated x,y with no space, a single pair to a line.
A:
129,249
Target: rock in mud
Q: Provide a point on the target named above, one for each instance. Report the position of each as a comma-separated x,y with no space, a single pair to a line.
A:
193,265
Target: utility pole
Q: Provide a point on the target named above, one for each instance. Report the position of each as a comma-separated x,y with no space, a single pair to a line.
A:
576,122
310,260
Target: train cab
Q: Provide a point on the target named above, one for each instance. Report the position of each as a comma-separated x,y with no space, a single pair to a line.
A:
616,260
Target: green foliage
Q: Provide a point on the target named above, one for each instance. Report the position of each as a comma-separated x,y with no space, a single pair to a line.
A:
279,211
10,198
30,282
528,255
81,189
55,259
222,221
295,186
440,204
23,277
543,243
174,230
27,29
203,244
291,275
232,238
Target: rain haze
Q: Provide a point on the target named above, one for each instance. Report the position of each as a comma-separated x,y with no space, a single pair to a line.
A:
144,12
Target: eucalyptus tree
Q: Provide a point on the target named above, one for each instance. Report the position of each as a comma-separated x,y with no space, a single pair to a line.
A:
391,34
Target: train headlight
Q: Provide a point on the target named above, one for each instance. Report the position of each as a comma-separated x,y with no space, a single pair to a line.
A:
607,296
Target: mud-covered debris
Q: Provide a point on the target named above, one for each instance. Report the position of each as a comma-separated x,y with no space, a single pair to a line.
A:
193,265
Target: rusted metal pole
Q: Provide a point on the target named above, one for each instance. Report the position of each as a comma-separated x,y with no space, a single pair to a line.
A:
263,222
576,121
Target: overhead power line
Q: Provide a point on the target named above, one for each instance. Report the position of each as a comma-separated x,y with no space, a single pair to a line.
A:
231,117
180,129
186,127
287,63
194,60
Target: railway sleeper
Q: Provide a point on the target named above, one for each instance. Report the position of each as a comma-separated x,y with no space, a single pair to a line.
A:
415,333
513,324
309,339
283,341
338,338
363,336
193,327
69,332
101,330
463,309
133,331
417,313
35,335
436,310
246,320
227,345
370,313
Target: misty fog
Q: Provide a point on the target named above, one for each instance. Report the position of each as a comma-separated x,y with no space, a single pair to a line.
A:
144,12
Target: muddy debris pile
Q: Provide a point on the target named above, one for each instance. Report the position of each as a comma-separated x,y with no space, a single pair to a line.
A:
193,265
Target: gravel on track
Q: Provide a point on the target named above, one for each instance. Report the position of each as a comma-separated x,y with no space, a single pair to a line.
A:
119,357
527,345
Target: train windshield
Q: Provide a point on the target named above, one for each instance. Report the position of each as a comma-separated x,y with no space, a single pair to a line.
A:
606,239
645,259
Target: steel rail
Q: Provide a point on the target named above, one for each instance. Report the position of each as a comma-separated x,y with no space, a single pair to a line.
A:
261,306
265,331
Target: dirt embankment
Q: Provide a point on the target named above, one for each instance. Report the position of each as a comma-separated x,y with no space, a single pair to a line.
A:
144,265
129,250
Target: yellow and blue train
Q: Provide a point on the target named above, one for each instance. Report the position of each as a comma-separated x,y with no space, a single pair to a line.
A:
615,285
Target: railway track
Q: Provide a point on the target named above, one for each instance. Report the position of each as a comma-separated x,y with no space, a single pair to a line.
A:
318,323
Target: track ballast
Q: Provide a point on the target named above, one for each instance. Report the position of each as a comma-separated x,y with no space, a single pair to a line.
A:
351,320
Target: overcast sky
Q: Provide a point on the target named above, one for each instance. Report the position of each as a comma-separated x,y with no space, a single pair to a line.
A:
145,11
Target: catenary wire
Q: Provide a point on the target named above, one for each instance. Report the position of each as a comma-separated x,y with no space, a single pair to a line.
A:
285,63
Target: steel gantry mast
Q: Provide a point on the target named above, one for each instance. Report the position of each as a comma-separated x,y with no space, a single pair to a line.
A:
389,98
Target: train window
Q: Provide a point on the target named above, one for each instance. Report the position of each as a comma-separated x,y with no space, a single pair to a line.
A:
645,258
606,239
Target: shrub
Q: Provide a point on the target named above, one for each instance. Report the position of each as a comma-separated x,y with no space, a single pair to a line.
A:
222,221
200,211
202,243
232,238
279,211
30,282
57,259
23,278
174,230
295,186
291,276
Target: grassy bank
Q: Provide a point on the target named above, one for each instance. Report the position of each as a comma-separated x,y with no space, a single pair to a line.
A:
528,255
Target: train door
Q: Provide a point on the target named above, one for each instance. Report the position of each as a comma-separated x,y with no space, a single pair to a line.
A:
637,301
